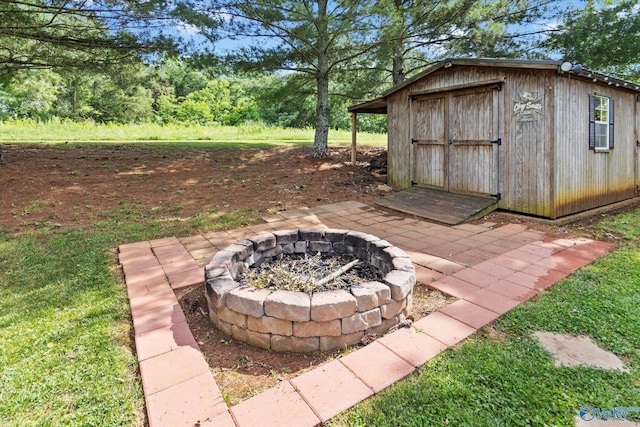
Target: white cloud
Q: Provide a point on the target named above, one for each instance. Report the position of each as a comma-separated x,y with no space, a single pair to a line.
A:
187,29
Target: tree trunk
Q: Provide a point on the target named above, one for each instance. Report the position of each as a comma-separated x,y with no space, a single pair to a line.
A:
321,139
398,69
74,100
397,43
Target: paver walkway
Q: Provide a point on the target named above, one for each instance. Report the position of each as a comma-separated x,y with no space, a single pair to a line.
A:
489,268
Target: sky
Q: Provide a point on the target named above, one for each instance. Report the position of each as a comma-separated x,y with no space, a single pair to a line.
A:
228,45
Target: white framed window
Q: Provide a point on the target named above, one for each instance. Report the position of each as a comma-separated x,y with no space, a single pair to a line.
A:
600,122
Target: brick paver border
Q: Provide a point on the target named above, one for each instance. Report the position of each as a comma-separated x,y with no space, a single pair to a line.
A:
490,269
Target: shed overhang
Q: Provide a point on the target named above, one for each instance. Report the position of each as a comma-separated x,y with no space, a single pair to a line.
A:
374,106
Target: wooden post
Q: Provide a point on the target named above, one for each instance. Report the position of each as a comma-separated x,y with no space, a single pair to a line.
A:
354,132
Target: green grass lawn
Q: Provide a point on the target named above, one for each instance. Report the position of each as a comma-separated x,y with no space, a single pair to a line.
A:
194,135
66,337
65,333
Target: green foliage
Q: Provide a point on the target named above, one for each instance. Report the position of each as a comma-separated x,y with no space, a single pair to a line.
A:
604,36
194,111
29,95
221,101
43,94
122,105
98,34
165,108
490,40
178,77
75,92
143,94
284,101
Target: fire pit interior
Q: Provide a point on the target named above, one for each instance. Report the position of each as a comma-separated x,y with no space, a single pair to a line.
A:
308,289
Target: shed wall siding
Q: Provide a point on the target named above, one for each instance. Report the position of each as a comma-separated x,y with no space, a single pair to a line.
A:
586,179
456,76
399,140
527,142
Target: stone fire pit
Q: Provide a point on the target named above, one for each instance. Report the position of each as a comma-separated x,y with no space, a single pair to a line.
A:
283,320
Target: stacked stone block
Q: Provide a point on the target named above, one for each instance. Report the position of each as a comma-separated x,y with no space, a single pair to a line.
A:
301,322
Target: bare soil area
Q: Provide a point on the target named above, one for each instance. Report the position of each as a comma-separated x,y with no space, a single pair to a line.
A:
75,185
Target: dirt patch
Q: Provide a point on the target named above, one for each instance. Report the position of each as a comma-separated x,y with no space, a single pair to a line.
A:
76,185
242,371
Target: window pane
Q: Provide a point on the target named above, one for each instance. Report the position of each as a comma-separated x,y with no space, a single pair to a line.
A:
602,135
602,108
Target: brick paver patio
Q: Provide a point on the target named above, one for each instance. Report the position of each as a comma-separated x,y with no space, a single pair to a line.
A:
489,268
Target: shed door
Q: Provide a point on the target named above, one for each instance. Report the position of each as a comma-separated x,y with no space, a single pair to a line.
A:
430,139
473,150
455,141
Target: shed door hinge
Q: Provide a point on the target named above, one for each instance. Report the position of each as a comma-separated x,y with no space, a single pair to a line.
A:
497,141
413,141
413,183
498,196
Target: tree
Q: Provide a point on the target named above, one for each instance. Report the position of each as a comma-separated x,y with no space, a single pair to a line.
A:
604,36
276,106
95,34
76,89
34,97
414,33
322,39
311,37
407,28
491,40
183,77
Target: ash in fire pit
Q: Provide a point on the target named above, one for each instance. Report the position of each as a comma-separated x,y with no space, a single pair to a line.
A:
308,289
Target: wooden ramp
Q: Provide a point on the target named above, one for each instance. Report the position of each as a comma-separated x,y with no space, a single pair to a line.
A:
440,206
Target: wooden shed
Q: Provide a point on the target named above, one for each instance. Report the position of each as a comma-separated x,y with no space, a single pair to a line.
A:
543,138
